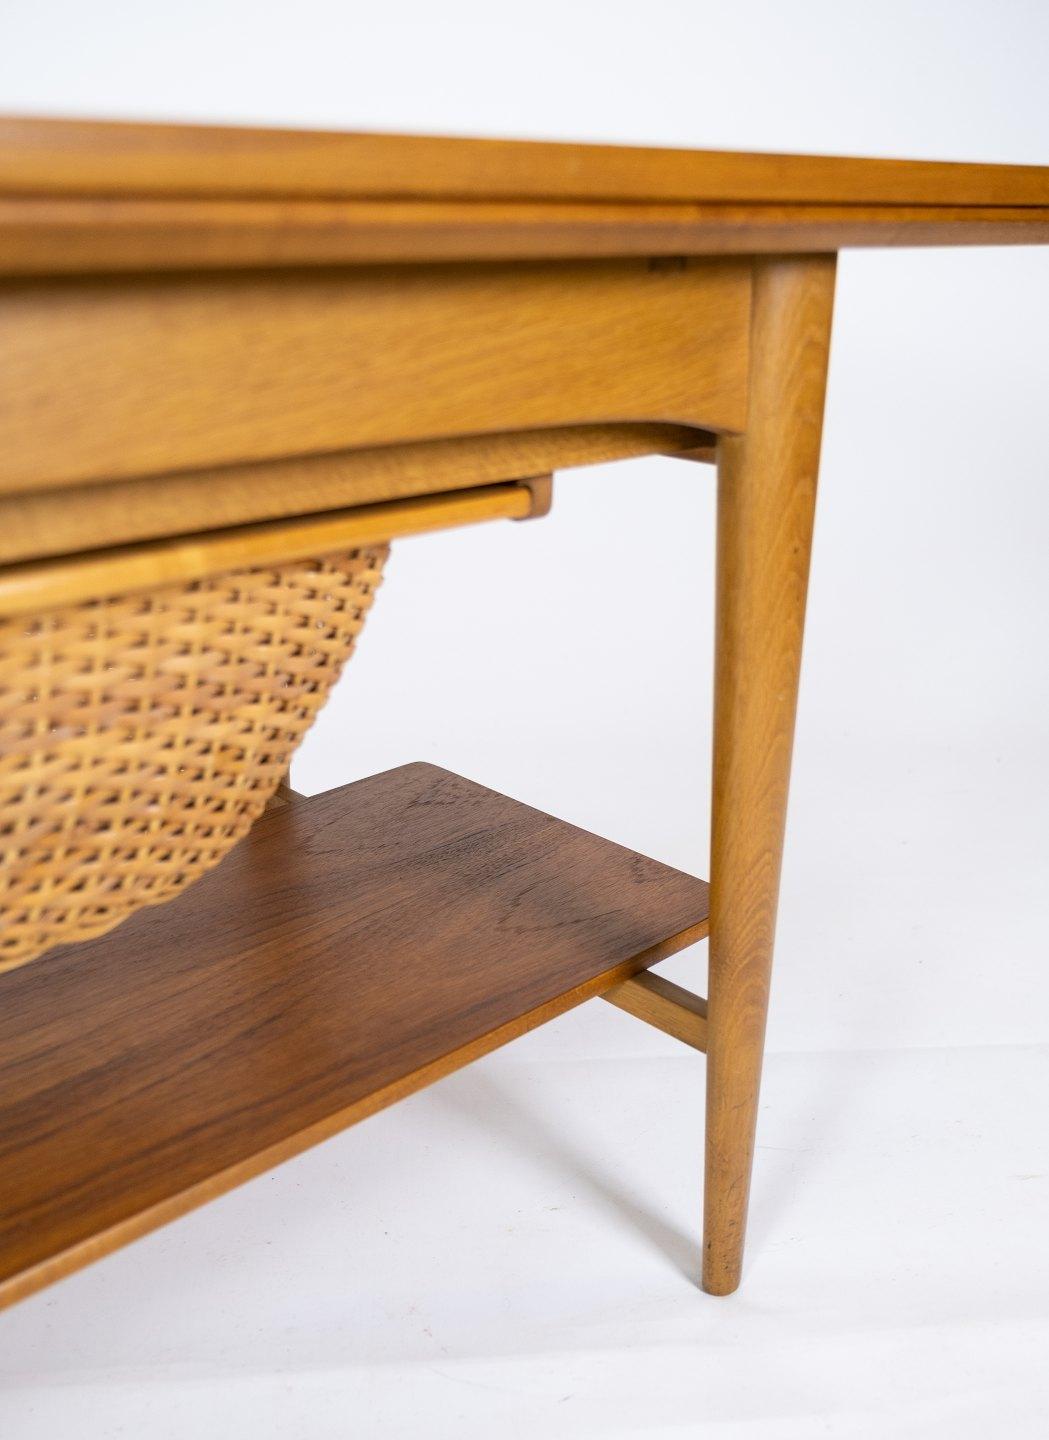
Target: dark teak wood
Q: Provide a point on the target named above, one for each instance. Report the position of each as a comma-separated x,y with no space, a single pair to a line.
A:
355,947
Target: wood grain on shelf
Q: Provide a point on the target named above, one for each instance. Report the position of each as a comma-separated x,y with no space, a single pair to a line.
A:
357,946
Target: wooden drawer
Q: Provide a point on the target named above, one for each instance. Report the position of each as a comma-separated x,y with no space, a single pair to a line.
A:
113,377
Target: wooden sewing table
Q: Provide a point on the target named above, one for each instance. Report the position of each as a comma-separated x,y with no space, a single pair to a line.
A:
222,345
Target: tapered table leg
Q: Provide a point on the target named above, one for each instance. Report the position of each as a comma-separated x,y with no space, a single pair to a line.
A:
766,497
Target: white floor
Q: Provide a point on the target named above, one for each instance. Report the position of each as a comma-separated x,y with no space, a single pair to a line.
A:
513,1254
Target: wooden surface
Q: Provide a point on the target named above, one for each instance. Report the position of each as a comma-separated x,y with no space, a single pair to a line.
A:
669,1007
355,947
54,236
37,587
88,517
81,196
766,500
229,312
69,157
108,378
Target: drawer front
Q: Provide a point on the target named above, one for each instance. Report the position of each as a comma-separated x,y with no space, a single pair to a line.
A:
109,378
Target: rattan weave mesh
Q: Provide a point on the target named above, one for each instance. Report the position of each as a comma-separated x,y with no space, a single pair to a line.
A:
141,737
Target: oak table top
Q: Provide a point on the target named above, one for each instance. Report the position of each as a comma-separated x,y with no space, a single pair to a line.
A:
88,195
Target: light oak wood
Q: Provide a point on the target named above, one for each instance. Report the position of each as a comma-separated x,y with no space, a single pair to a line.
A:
669,1007
766,499
38,587
87,517
109,378
541,489
355,947
78,196
52,236
704,453
71,157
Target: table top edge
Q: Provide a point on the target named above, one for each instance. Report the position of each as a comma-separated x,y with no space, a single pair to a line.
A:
41,156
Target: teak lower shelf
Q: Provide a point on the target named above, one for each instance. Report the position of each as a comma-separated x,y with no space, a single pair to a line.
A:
355,947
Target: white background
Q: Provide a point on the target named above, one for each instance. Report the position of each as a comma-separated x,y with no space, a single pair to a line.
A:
513,1253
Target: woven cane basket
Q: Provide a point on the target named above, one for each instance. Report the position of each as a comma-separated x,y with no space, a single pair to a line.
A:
140,737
